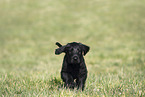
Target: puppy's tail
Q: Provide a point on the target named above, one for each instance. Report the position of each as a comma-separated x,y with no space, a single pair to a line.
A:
58,44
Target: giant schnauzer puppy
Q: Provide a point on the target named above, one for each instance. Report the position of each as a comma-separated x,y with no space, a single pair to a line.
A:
74,71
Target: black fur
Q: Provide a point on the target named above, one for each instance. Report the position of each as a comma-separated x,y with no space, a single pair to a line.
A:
58,44
74,71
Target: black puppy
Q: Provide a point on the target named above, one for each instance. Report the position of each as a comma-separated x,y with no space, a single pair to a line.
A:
74,71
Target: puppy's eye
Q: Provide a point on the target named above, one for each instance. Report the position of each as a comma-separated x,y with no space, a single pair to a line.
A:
70,51
79,52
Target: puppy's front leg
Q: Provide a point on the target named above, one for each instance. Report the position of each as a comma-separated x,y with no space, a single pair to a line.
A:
68,79
81,82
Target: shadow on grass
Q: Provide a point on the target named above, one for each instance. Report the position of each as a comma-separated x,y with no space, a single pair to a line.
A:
55,83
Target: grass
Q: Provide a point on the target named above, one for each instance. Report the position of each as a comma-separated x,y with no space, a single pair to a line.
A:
113,29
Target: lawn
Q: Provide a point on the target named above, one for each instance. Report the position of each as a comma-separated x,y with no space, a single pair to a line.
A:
114,30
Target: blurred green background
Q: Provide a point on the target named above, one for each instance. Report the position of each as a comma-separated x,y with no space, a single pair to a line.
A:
114,30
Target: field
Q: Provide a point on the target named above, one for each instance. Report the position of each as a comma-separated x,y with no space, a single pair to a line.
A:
114,30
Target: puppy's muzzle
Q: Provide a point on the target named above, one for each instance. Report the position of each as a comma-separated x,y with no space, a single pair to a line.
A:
75,58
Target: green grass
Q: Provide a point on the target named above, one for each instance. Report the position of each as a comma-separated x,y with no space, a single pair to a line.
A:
114,30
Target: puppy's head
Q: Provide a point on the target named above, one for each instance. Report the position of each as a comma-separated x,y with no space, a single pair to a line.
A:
74,52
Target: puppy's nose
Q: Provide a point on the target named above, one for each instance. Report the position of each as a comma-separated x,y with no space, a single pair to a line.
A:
75,57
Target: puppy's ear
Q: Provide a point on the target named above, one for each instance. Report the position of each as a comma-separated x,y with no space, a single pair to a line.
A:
84,48
58,44
60,50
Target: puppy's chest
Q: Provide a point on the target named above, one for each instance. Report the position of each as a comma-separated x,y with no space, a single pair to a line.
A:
73,69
